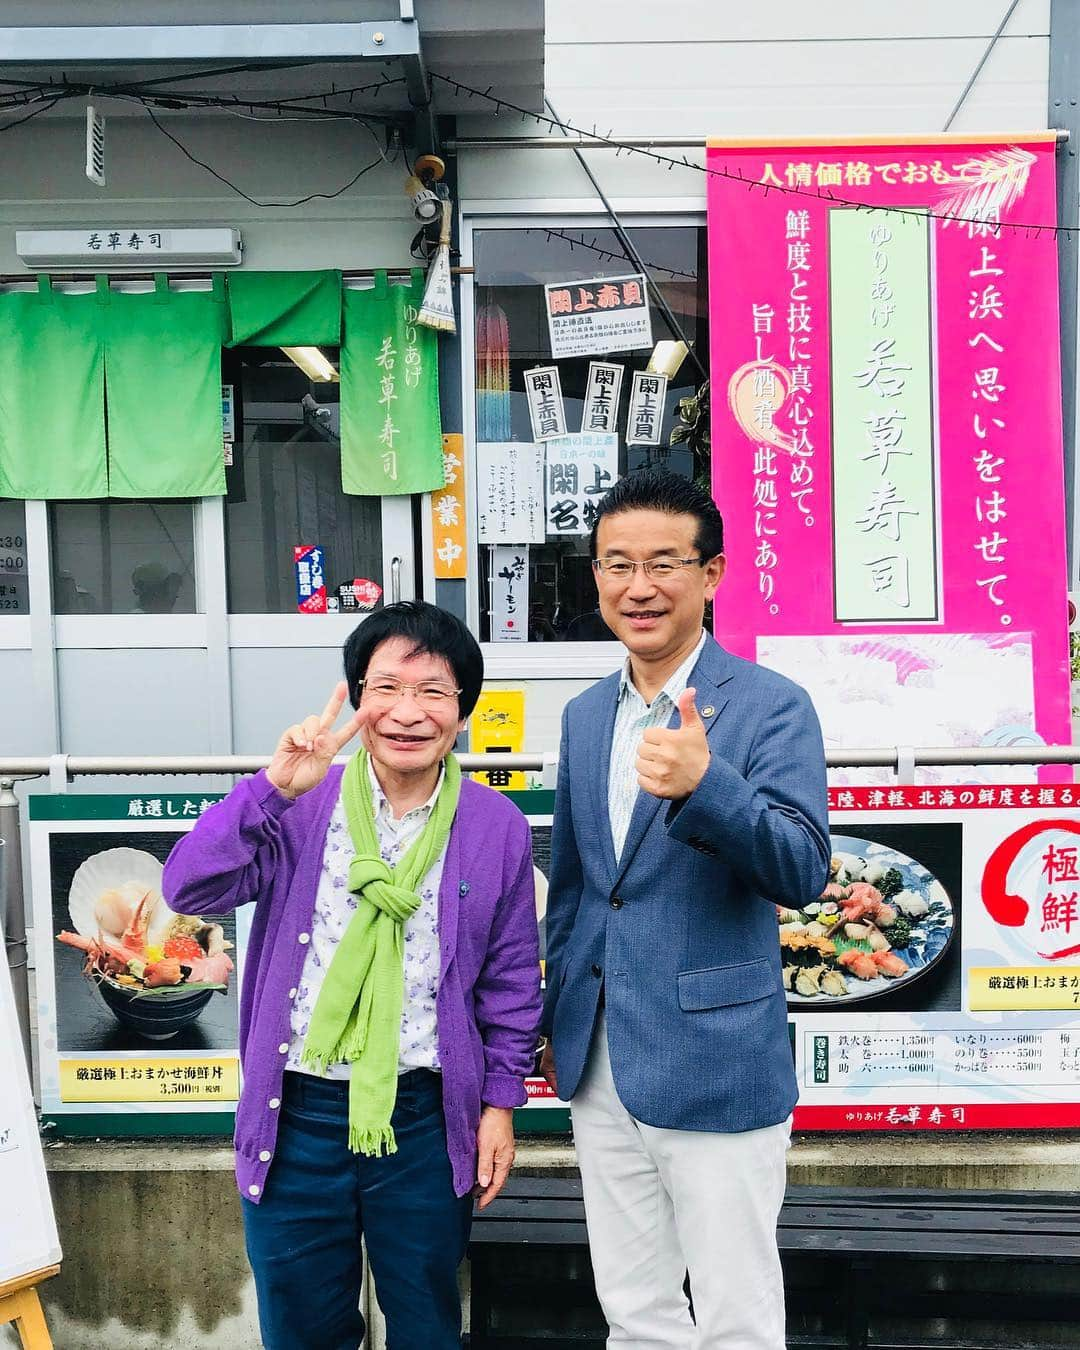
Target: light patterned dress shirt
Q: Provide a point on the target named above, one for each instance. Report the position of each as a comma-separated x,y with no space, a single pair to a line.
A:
633,717
334,907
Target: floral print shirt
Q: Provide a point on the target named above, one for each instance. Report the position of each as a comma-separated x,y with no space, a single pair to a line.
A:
334,907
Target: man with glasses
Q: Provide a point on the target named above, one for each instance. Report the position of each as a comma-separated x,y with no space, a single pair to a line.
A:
691,797
391,990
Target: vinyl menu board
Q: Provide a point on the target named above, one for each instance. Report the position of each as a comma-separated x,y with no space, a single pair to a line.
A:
113,1054
137,1007
936,983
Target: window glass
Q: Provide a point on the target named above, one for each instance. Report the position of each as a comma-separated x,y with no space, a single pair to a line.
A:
512,266
119,557
284,489
14,598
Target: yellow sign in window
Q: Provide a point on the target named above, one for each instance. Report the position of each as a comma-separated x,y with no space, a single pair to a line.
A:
150,1080
498,724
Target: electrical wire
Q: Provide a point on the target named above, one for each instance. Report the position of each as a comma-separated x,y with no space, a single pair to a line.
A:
982,62
146,93
635,258
300,201
19,121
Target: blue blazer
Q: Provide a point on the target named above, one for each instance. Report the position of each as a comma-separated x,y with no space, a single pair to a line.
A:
681,932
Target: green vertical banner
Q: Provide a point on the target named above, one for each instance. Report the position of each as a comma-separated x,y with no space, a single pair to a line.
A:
391,432
886,517
52,395
163,384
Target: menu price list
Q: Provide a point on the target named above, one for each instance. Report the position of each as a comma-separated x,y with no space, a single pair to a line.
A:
1047,1056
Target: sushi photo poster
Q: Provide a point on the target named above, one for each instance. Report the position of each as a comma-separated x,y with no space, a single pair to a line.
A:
935,983
137,1006
115,1055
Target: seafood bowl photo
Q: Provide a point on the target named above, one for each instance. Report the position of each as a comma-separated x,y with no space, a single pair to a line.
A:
154,969
883,920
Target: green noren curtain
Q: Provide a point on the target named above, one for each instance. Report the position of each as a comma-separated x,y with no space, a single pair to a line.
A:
391,432
285,309
163,391
52,425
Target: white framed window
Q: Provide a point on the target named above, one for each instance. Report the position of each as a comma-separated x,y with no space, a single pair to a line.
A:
504,330
283,491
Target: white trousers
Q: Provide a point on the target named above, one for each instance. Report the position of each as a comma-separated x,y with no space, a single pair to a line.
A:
659,1203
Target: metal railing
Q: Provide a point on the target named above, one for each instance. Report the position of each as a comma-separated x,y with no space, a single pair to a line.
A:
61,769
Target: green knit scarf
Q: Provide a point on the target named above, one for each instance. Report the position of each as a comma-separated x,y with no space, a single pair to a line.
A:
357,1017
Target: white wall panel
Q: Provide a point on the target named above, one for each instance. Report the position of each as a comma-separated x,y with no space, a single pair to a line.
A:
799,88
777,68
273,687
616,21
18,733
148,702
150,181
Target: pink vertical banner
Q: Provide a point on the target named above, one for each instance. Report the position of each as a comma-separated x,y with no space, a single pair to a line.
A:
886,432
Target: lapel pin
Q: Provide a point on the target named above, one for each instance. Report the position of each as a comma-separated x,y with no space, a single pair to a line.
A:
708,710
463,889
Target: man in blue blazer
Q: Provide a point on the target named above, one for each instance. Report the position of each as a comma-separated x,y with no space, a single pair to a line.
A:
691,797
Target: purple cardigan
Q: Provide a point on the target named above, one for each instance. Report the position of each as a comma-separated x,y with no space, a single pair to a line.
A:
256,845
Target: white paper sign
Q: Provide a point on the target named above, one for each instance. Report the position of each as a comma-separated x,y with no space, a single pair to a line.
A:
580,469
510,492
646,415
509,593
28,1238
600,410
592,318
543,389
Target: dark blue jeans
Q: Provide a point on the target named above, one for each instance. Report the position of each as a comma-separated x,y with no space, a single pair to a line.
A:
303,1239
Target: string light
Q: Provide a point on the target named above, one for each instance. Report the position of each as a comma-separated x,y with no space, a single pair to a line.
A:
55,92
606,254
670,162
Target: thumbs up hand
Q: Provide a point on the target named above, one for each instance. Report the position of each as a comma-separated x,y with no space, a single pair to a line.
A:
671,761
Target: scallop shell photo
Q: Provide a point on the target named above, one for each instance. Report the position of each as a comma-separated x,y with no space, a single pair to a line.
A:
112,883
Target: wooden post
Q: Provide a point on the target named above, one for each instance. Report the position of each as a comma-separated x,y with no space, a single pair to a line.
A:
19,1303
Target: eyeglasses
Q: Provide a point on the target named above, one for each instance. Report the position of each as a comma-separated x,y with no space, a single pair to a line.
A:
430,695
660,569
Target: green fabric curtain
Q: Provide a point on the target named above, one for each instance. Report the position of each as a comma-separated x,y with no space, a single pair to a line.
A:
285,309
163,391
391,435
52,425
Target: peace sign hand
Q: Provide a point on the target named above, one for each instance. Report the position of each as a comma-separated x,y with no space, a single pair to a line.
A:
304,752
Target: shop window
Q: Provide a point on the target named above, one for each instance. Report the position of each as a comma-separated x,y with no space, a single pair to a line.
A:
284,489
121,557
14,597
512,268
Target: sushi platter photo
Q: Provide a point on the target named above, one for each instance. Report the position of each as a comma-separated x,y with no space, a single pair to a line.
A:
882,920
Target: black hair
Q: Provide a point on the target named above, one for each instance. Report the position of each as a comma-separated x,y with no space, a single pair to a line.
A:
652,489
428,629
